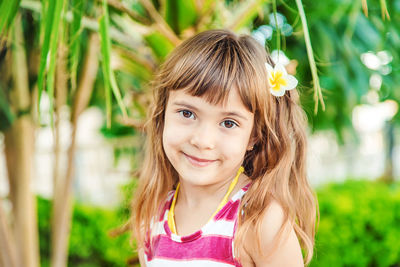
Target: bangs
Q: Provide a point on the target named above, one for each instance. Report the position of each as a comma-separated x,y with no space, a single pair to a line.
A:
213,67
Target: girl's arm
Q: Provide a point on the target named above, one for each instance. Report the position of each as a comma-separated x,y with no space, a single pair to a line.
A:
141,257
288,253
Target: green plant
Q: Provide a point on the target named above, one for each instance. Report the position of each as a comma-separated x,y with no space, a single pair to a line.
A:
90,242
359,225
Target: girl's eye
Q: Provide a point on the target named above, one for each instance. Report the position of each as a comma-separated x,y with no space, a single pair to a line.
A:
186,113
229,124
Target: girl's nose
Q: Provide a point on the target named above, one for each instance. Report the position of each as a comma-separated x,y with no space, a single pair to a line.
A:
203,138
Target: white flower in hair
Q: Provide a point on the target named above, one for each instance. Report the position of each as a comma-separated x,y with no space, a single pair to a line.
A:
279,56
279,80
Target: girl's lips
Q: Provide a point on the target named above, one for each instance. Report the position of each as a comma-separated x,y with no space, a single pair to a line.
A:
198,162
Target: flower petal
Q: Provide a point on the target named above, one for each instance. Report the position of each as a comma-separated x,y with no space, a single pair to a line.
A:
291,82
270,69
270,72
279,56
279,92
281,68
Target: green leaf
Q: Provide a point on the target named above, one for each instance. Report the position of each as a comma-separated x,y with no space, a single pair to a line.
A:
105,60
6,115
50,23
310,54
53,53
46,24
109,78
244,14
180,14
8,10
135,69
160,45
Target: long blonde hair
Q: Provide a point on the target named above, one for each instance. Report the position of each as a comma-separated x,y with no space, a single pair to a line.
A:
209,65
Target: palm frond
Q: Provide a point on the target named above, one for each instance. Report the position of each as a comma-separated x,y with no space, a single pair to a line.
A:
110,82
53,11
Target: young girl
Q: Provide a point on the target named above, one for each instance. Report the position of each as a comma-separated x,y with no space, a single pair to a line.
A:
224,180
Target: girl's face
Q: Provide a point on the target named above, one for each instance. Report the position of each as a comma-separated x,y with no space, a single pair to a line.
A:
206,143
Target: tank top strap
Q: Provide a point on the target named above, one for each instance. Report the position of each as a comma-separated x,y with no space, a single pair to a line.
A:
231,210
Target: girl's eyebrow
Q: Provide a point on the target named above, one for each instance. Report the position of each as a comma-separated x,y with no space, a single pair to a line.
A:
229,113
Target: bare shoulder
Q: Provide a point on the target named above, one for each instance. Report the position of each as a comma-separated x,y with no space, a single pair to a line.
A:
141,257
283,252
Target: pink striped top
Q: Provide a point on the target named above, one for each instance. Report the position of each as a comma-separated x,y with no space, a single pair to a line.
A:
212,245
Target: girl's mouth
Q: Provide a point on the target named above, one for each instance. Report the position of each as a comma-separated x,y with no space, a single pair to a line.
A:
197,161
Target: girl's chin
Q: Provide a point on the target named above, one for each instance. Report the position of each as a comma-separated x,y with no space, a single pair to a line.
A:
200,182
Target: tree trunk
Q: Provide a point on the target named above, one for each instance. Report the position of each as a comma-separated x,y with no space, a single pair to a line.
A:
20,140
8,253
389,141
23,201
60,101
62,205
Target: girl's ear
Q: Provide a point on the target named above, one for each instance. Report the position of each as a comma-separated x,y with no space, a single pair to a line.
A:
252,142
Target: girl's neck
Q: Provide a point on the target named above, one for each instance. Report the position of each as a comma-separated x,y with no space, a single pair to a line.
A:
193,196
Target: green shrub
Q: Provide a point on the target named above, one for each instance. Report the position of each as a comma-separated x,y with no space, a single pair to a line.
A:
359,225
90,245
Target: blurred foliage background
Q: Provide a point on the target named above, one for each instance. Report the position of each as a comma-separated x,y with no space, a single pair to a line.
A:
75,54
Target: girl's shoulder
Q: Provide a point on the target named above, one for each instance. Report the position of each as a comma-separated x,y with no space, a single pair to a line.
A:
277,237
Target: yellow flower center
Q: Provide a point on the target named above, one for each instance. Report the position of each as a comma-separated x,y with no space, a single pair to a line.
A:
276,80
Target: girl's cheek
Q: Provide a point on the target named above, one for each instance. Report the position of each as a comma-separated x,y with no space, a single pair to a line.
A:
234,145
174,133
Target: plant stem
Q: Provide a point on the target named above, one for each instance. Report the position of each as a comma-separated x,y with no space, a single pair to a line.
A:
310,54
